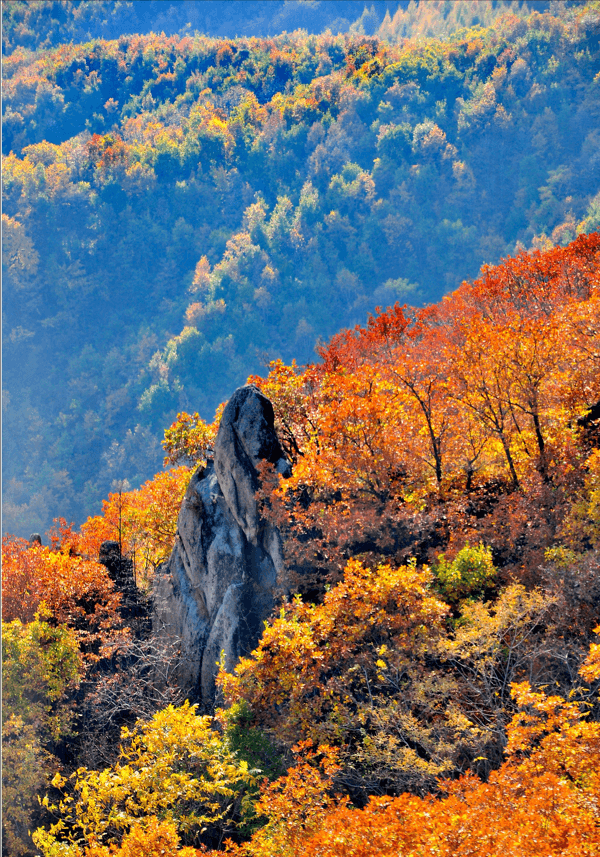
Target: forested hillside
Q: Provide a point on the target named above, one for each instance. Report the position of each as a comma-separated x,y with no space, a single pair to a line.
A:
48,23
430,682
178,209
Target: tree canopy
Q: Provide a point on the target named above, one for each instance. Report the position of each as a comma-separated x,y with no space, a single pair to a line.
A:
179,209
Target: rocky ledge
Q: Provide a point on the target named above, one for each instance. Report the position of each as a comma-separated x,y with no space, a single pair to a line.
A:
219,585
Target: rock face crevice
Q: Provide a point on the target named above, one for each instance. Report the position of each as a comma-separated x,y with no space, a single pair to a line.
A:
218,586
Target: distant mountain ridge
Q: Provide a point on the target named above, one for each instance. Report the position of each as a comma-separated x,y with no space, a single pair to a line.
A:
49,23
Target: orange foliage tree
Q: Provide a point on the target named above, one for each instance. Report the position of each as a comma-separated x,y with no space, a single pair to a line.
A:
143,521
313,658
76,591
351,673
419,407
543,799
295,395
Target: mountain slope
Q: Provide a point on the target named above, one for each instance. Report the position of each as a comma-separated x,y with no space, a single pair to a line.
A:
179,210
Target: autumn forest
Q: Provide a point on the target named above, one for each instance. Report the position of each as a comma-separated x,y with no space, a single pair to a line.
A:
386,218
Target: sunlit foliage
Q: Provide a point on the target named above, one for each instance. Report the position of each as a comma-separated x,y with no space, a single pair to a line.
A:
185,208
41,667
176,767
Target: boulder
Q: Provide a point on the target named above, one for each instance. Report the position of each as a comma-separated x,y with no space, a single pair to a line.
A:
121,572
219,585
119,567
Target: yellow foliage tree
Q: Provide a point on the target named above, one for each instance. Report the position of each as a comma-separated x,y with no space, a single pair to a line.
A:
41,665
176,767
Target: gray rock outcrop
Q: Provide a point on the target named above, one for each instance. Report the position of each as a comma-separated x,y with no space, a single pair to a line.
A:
218,586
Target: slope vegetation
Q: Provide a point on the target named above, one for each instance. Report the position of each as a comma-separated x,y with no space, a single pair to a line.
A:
180,209
431,688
